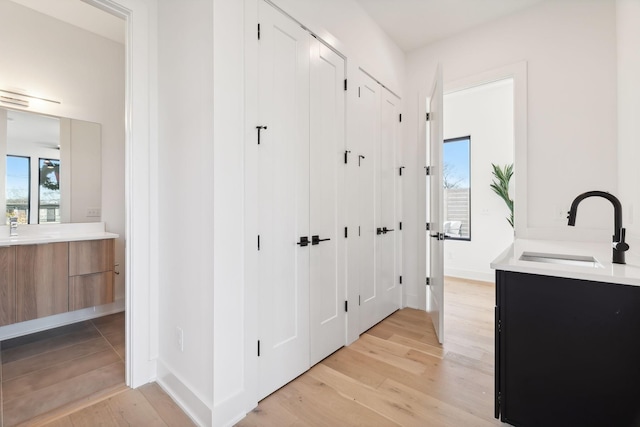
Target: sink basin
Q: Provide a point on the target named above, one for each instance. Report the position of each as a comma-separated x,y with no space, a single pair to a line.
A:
583,261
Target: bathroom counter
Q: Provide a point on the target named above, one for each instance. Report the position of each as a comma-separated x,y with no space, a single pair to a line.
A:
52,233
509,260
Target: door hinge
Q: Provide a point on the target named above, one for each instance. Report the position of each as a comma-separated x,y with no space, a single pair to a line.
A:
258,31
346,156
427,170
346,306
401,280
345,84
428,226
400,226
401,167
258,348
358,299
258,242
345,232
428,281
499,325
358,231
428,116
400,117
358,91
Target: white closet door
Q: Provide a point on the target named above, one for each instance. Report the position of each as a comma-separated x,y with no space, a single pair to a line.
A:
369,137
327,169
386,270
283,205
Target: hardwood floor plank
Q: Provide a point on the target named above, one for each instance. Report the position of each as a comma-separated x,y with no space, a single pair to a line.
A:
132,409
113,323
63,393
270,413
168,410
46,377
98,415
44,360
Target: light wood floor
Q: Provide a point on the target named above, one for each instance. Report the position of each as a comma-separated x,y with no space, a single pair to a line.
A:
74,376
397,374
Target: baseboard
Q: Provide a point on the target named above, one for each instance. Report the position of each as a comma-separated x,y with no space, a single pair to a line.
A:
470,274
186,399
62,319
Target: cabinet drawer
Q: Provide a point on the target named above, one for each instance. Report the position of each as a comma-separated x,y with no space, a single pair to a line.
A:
90,256
90,290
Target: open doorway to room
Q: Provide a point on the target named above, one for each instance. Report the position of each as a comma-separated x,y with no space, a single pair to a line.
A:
478,133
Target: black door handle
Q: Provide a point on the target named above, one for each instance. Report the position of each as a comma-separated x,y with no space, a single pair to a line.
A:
259,129
316,240
304,241
386,230
379,231
437,236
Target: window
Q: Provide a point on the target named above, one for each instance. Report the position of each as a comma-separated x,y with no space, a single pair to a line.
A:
456,176
17,191
49,191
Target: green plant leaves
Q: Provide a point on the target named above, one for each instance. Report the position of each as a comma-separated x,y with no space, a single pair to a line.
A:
500,186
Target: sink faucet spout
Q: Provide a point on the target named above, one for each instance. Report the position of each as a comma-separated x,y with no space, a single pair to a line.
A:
619,245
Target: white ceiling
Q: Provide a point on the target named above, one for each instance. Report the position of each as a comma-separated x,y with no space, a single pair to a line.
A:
80,14
416,23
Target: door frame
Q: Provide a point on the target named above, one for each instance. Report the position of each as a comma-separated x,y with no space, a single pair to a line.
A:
141,223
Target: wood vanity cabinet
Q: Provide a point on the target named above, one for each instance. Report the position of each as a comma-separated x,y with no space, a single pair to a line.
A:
90,273
42,280
45,279
7,285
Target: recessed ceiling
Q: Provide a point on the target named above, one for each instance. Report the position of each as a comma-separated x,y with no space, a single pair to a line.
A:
415,23
82,15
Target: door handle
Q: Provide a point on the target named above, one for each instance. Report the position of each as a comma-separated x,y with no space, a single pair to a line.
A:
304,241
259,129
383,230
437,236
316,240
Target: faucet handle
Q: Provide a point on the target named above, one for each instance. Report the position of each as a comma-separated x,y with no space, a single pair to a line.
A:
621,245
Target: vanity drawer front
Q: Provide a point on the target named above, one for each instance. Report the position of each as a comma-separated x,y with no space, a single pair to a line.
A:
90,256
90,290
7,285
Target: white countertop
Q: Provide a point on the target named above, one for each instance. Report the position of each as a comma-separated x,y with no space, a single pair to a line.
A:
52,233
509,260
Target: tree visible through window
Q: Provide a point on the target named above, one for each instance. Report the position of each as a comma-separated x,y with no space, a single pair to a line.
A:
456,174
49,200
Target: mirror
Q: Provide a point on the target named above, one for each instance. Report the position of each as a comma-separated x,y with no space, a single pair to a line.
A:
53,168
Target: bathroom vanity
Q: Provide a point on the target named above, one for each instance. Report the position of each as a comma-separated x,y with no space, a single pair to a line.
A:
52,269
567,337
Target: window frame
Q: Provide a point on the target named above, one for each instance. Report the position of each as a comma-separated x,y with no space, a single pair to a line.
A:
457,139
28,187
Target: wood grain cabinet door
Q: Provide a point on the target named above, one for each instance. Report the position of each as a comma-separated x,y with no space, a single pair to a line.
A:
7,285
42,280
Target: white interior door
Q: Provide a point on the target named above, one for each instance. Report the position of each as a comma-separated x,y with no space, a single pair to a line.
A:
435,304
387,231
327,179
283,205
368,143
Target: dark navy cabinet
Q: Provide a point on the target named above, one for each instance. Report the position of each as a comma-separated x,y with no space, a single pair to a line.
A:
567,352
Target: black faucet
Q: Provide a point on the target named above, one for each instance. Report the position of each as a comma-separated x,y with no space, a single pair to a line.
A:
619,245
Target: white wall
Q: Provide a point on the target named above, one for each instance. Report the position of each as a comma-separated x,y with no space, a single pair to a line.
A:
86,73
185,205
570,50
485,113
628,16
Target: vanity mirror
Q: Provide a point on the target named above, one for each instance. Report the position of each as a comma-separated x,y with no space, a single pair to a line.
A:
53,168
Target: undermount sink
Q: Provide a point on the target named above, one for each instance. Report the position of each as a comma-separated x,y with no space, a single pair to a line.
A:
579,260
